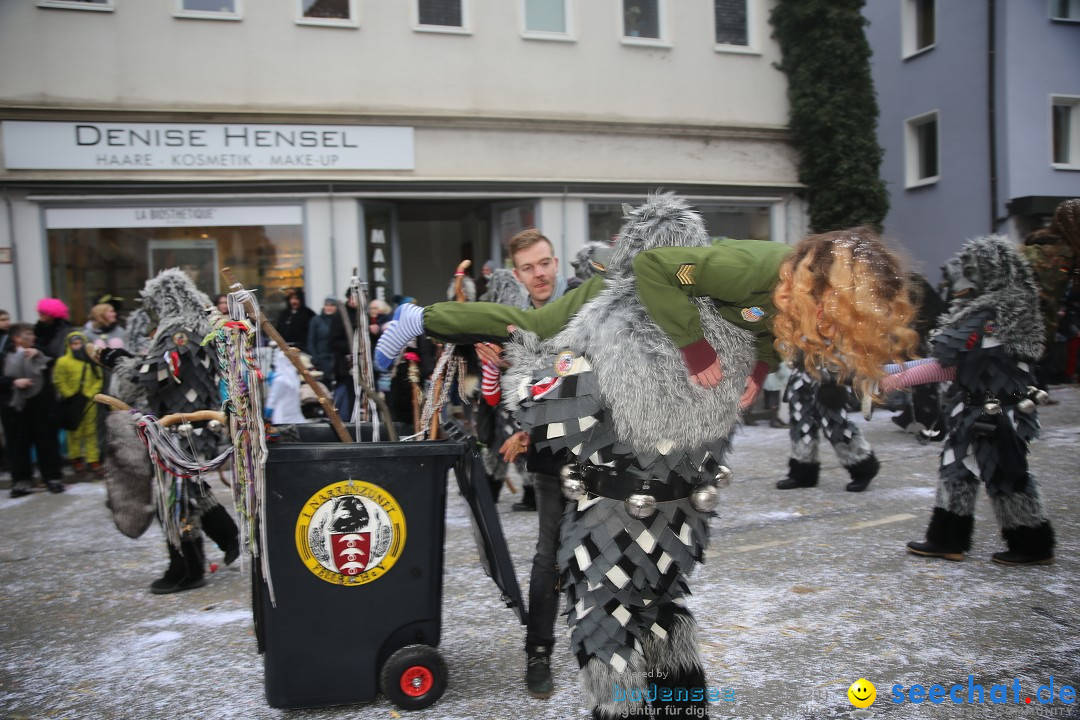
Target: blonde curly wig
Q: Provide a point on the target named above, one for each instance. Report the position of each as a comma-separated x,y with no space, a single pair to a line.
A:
843,302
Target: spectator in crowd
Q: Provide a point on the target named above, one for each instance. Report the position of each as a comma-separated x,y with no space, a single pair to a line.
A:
75,374
102,329
5,326
295,320
320,333
344,324
221,302
52,327
283,397
28,413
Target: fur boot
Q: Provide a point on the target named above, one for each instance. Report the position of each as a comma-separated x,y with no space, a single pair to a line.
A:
862,473
800,475
220,527
186,569
1027,545
948,536
608,692
677,671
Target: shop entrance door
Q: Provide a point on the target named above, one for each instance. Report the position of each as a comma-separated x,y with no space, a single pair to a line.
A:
433,236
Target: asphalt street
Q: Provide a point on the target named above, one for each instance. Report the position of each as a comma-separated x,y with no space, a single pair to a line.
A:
803,592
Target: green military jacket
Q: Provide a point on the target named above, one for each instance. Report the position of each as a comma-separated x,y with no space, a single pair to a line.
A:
739,275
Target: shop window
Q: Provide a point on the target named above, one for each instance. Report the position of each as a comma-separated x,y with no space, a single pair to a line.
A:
209,9
921,151
1065,10
547,19
722,220
919,26
341,13
106,5
643,20
732,23
442,15
1065,113
92,254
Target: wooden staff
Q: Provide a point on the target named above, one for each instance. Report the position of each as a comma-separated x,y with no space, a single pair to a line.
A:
294,356
459,296
165,420
417,393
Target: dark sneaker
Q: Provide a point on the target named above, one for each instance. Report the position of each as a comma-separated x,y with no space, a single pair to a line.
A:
21,488
929,549
538,672
1016,559
55,486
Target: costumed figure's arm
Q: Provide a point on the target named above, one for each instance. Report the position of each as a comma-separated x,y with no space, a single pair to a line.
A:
738,276
475,322
916,372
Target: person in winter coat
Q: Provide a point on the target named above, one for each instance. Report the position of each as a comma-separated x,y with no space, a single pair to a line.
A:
294,321
76,374
283,397
102,329
52,327
320,334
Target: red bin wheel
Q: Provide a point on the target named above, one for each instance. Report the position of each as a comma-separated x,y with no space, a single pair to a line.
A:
414,677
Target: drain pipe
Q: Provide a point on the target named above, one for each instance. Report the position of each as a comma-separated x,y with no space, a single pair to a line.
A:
991,108
17,311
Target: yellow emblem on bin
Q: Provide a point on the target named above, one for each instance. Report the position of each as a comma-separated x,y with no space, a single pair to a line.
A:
350,533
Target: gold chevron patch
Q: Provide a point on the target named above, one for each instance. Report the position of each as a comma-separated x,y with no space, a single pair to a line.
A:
685,275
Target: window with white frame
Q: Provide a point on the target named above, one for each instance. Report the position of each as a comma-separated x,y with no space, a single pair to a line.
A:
546,18
442,14
1065,10
921,155
732,22
106,5
643,19
329,12
919,26
210,9
1065,123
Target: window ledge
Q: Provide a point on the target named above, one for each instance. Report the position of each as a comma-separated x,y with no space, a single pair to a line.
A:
193,15
925,182
1065,166
920,51
737,49
550,37
646,42
328,22
443,29
1066,21
74,5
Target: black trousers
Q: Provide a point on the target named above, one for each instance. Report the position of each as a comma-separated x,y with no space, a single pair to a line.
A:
33,428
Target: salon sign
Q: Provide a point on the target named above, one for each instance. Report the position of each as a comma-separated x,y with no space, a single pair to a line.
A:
188,146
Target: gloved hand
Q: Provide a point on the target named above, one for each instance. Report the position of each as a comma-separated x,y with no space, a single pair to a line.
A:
109,357
408,323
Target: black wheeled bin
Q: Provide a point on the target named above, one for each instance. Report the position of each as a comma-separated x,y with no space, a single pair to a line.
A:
354,536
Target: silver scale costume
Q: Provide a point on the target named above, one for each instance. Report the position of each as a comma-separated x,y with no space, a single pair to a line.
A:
612,391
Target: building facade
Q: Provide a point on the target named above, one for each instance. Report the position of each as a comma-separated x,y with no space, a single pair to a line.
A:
298,141
980,117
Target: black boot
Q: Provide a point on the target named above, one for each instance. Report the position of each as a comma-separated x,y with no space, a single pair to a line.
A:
684,679
528,500
185,570
862,473
220,527
1027,546
538,671
800,475
947,537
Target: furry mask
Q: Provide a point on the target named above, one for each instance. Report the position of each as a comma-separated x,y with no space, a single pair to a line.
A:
998,278
583,267
503,288
641,373
170,294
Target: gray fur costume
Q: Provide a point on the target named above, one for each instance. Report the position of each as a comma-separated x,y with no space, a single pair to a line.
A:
502,288
176,373
993,339
611,391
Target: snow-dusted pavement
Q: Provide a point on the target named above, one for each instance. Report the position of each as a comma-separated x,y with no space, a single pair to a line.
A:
803,593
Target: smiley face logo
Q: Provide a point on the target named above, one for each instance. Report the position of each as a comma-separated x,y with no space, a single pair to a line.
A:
862,693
